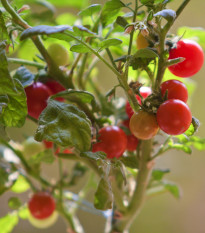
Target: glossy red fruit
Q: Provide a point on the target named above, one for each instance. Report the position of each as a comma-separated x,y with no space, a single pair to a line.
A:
47,144
132,143
174,117
143,125
55,87
194,58
176,90
37,96
145,92
41,205
112,141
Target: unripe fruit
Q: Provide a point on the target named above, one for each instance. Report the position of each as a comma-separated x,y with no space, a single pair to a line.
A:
59,54
142,43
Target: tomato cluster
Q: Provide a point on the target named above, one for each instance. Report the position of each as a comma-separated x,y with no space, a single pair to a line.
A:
38,94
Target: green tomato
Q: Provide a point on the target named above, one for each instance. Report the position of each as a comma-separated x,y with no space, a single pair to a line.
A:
43,223
32,147
59,54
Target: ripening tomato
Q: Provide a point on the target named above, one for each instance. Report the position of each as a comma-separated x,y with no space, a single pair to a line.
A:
55,87
41,205
37,96
176,90
143,125
59,54
174,117
112,141
142,42
194,58
145,92
132,142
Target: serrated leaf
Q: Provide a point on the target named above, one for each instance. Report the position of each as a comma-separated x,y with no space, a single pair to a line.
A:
90,10
24,76
158,174
65,125
110,10
14,203
167,14
109,42
79,48
21,185
3,32
8,222
44,30
94,156
103,196
15,112
187,149
42,157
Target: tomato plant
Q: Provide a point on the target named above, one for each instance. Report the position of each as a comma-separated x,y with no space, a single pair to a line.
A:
194,58
52,82
174,117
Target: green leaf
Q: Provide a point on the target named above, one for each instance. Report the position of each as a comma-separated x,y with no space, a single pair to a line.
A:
14,203
78,172
109,42
187,149
172,188
65,125
79,48
144,2
103,196
23,212
94,156
158,174
3,133
3,33
167,14
15,112
130,161
197,142
8,222
42,157
110,10
24,76
82,31
21,185
90,10
145,53
121,21
193,33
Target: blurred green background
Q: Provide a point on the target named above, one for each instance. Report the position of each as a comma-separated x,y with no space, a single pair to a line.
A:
161,214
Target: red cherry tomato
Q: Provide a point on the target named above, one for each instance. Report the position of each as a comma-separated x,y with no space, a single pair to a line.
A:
47,144
112,141
55,87
176,90
174,117
143,125
41,205
37,96
145,92
194,58
132,142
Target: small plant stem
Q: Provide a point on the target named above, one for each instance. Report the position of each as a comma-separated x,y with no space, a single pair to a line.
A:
32,119
151,75
111,58
60,167
81,71
138,198
53,69
132,33
181,8
26,62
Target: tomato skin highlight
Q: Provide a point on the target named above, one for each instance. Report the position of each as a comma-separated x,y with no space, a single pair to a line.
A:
176,90
143,125
145,92
174,117
41,205
194,58
132,143
55,87
37,96
112,141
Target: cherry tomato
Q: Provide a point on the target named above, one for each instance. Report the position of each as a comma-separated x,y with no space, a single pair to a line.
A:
143,125
174,117
194,58
142,43
145,92
47,144
37,96
59,54
126,123
43,223
112,141
55,87
132,142
176,90
41,205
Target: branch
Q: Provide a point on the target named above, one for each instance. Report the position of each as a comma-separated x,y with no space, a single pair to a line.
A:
181,8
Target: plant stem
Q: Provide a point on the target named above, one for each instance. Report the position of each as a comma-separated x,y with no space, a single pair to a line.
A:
181,8
138,198
111,58
26,62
